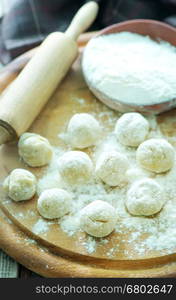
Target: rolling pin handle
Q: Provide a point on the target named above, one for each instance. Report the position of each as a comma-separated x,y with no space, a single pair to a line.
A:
83,19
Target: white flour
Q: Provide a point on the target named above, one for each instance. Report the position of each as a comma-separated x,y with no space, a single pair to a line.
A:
131,68
40,226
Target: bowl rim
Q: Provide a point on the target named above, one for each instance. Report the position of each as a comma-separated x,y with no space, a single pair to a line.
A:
107,29
155,108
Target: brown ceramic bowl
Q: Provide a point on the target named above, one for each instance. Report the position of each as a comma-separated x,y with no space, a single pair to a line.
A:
157,31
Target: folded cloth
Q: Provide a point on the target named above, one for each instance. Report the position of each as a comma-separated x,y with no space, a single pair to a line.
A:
27,22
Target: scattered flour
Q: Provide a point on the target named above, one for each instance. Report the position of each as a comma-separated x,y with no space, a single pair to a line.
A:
30,241
90,244
41,226
131,68
79,100
51,178
159,231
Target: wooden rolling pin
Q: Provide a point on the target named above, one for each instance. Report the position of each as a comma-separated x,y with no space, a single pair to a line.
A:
26,96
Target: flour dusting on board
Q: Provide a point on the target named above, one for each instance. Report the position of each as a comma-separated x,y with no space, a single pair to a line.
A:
41,226
159,231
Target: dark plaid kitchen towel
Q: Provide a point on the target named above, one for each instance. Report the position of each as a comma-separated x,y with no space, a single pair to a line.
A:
27,22
8,267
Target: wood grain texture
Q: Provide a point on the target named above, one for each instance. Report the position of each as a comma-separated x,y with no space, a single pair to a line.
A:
54,254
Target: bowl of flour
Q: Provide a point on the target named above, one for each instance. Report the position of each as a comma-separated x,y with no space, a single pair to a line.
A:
131,66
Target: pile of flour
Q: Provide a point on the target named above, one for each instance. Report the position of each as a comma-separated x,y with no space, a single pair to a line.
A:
131,68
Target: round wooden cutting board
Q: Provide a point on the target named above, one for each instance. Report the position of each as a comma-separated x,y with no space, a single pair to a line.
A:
54,253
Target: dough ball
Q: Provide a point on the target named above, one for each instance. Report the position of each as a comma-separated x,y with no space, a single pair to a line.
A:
111,168
20,185
75,167
131,129
155,155
35,150
83,131
54,203
145,198
98,218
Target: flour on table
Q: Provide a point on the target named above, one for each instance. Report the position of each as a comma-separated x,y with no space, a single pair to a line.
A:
51,178
159,231
79,100
41,226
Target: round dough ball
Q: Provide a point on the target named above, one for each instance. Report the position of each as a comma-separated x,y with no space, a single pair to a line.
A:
155,155
131,129
83,131
54,203
20,185
145,198
75,167
35,150
98,218
111,168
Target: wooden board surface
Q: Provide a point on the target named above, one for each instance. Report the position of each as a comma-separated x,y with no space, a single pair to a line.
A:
55,254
